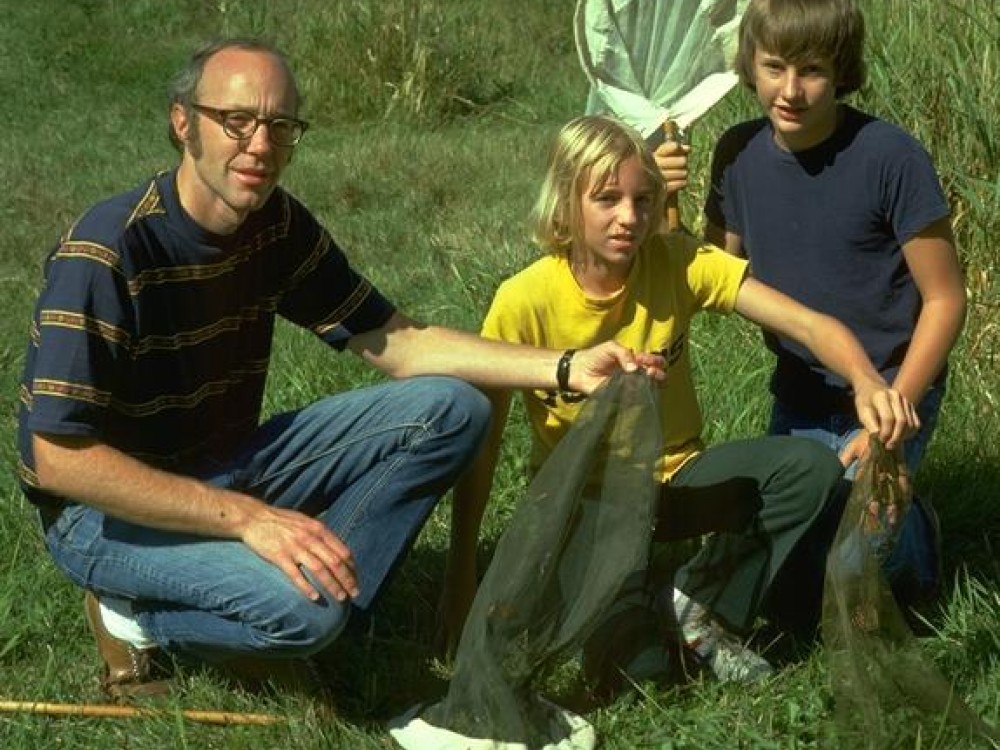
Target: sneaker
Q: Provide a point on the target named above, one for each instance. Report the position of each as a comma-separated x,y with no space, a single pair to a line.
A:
713,647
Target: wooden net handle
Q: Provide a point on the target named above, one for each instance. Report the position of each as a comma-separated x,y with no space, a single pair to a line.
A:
671,208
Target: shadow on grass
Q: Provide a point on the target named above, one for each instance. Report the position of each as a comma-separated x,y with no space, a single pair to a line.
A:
386,661
963,489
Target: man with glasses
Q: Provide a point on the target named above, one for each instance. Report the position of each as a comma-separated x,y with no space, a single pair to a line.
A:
195,530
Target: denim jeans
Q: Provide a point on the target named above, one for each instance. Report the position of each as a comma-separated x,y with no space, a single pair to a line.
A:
915,554
371,463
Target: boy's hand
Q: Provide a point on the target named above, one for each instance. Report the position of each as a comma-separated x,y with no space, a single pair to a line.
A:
886,413
672,160
855,450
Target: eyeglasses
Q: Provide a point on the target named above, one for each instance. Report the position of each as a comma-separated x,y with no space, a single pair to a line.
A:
240,125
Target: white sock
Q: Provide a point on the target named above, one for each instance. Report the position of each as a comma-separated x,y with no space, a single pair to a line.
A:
118,618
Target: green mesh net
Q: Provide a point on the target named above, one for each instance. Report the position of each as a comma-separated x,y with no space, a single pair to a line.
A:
887,693
581,531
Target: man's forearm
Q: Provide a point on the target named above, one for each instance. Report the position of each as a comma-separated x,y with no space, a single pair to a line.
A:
403,348
409,349
98,475
936,332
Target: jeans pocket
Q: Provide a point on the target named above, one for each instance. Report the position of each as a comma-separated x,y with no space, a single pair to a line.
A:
72,538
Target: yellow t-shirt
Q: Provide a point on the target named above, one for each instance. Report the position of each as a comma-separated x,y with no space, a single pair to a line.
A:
673,277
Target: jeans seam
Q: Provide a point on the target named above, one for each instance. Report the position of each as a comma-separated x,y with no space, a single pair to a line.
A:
422,427
352,520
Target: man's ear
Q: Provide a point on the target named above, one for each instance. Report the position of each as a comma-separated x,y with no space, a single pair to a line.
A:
180,122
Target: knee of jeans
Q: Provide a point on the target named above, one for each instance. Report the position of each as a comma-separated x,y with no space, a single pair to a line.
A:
305,628
465,407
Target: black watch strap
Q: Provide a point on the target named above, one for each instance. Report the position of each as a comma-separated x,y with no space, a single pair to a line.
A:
562,370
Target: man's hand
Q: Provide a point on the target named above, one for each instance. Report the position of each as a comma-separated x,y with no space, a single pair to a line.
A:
301,546
885,413
672,161
591,367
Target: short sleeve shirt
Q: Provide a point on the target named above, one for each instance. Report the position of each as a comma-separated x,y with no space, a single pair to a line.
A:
673,278
154,336
826,226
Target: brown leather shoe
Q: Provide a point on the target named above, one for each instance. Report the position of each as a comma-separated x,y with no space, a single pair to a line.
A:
128,671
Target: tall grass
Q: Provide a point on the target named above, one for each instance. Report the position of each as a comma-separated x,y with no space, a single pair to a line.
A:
431,119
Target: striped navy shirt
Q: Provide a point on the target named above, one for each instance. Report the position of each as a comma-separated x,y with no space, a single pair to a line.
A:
153,335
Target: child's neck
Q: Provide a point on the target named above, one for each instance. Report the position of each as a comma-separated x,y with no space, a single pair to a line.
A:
805,141
599,280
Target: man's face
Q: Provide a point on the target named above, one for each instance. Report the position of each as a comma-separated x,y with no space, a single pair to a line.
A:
222,179
799,99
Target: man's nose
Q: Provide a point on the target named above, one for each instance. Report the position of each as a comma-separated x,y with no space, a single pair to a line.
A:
260,141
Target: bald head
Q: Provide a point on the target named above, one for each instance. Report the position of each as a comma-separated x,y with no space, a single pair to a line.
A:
186,87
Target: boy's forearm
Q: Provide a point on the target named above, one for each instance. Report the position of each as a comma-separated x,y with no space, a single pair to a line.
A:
839,350
938,328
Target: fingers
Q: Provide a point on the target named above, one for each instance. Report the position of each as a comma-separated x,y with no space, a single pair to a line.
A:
304,549
654,365
898,419
890,416
672,160
592,367
329,565
630,361
855,450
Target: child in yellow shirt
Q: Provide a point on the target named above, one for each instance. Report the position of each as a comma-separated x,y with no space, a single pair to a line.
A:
609,274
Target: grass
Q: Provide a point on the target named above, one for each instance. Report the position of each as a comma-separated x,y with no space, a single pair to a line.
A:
431,119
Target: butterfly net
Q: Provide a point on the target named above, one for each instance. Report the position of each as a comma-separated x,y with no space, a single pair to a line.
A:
649,61
582,529
887,693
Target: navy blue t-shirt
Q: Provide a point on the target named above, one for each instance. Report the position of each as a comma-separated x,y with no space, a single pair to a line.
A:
826,226
154,336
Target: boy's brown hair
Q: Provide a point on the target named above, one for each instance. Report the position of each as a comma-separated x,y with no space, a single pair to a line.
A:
803,30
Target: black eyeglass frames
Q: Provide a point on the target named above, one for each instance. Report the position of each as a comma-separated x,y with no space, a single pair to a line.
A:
240,125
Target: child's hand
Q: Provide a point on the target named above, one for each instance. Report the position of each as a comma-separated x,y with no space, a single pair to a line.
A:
855,450
672,160
858,448
886,413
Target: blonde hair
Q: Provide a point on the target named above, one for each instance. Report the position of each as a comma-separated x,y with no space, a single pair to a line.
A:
587,149
800,30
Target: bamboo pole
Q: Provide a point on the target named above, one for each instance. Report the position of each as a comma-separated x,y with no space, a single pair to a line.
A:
110,711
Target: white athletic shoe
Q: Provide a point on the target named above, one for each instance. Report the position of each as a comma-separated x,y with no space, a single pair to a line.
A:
714,647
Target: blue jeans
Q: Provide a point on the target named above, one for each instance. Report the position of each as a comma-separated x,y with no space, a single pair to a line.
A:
371,463
915,554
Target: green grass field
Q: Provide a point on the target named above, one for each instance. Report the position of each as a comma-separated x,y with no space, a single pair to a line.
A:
430,124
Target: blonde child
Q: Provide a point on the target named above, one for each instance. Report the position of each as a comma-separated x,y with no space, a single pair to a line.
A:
607,273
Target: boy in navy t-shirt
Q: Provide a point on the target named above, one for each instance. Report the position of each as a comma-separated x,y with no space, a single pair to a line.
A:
844,212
